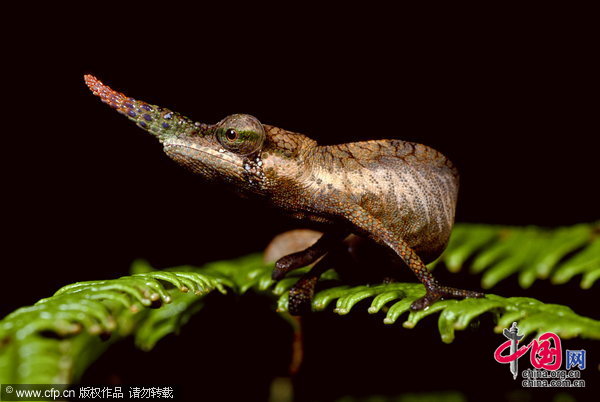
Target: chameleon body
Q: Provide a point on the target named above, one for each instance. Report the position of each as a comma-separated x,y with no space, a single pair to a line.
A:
397,193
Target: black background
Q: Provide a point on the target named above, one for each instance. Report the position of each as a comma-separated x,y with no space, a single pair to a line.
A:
512,102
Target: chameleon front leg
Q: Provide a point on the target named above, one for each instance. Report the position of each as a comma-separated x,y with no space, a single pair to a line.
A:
301,294
372,226
307,256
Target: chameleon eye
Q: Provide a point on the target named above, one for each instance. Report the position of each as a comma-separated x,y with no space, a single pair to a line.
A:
231,134
240,133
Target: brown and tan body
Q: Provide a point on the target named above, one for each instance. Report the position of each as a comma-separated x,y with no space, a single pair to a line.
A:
410,188
400,194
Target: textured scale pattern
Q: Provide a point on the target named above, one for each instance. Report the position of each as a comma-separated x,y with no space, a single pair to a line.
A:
159,121
399,194
410,188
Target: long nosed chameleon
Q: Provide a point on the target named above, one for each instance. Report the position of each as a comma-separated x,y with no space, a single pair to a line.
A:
399,194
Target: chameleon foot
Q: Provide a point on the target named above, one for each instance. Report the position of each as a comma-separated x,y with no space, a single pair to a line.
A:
293,261
306,257
437,292
301,295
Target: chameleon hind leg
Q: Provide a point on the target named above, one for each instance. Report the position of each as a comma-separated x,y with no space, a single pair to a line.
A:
434,291
368,224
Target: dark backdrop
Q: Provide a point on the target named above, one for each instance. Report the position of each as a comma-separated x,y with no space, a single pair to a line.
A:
86,192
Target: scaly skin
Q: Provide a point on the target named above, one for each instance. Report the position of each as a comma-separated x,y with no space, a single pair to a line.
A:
399,194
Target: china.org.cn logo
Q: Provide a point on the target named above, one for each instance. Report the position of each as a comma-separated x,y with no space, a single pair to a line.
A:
546,357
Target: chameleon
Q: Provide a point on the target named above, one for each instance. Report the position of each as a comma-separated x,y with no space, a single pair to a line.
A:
398,194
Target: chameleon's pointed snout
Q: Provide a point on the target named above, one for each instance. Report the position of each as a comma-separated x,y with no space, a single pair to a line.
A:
160,122
109,96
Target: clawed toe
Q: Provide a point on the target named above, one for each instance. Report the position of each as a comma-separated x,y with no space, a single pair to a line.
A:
436,293
299,302
282,267
425,301
277,274
301,295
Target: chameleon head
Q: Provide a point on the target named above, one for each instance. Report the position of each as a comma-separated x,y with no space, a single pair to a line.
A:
228,151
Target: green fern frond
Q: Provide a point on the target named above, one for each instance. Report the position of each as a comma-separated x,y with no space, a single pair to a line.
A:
55,340
531,252
395,299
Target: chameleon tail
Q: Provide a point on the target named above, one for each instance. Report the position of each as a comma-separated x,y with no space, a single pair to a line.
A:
161,122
